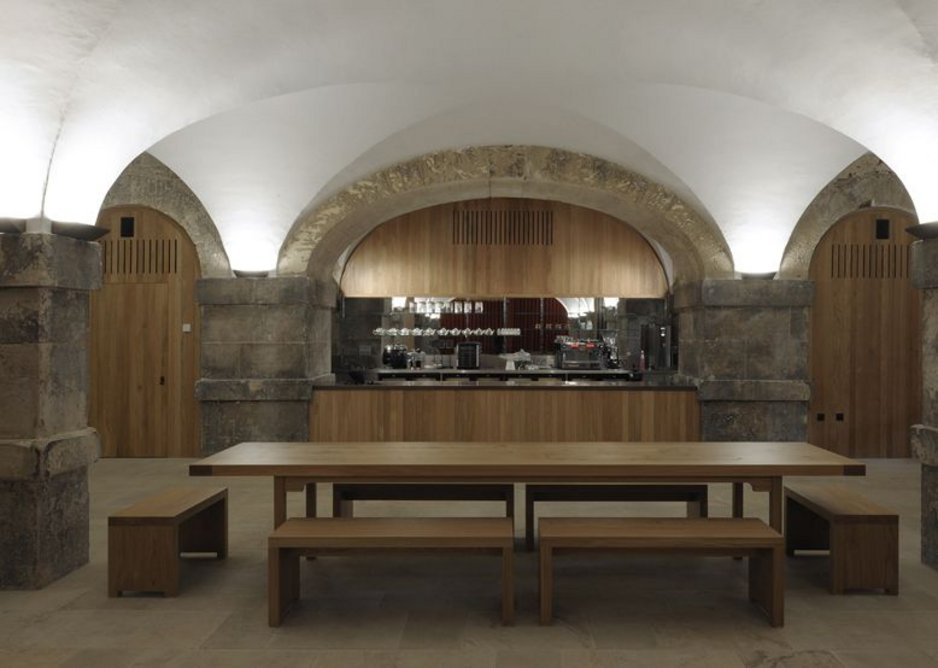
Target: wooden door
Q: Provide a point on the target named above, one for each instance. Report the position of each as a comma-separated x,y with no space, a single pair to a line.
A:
145,338
865,357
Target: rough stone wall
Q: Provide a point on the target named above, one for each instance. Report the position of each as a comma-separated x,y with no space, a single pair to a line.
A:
148,182
321,236
263,342
925,435
867,181
46,445
745,344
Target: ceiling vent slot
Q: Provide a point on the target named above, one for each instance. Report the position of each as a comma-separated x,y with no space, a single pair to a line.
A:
140,257
870,261
503,227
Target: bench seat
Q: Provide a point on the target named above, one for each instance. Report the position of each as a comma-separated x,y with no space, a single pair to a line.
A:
694,495
862,537
671,535
315,536
145,540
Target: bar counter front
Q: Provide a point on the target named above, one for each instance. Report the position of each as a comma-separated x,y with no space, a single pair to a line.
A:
498,406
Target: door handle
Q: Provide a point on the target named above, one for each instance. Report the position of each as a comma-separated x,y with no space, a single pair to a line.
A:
162,380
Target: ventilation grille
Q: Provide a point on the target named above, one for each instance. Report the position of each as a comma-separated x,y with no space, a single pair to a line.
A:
487,227
869,261
140,257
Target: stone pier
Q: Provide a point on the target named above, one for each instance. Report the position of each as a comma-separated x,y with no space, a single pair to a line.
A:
745,344
46,445
264,340
925,435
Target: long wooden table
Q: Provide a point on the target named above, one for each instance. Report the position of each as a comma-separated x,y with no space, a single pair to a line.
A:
760,464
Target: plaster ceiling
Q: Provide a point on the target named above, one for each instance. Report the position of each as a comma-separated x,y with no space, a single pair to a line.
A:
744,108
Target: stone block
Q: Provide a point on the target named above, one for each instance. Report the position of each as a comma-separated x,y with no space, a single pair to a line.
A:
48,260
274,290
226,423
273,360
41,315
754,390
221,360
930,356
319,358
20,366
774,293
253,323
753,420
253,389
44,530
925,263
930,515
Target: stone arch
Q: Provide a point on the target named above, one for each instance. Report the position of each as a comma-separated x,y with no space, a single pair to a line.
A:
148,182
321,236
867,181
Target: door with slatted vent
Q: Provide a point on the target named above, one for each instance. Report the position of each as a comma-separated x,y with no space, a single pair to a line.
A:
865,354
145,338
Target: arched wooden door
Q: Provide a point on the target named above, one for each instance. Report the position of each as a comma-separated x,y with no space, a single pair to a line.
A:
145,338
865,358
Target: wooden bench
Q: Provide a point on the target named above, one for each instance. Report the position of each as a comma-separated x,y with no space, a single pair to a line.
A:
694,495
315,536
721,536
862,537
145,541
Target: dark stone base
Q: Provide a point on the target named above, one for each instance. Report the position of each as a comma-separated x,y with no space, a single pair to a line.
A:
43,529
753,420
225,423
930,515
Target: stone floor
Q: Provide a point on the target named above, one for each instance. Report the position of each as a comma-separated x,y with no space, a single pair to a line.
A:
440,611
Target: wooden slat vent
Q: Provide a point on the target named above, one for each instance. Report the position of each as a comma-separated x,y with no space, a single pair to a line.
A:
870,261
140,257
503,227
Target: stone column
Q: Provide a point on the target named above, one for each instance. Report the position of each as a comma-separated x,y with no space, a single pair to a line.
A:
745,344
925,435
46,445
264,341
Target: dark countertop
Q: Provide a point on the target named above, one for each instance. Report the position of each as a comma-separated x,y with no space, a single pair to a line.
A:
536,379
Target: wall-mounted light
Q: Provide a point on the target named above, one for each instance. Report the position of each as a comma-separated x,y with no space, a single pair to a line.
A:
255,273
765,275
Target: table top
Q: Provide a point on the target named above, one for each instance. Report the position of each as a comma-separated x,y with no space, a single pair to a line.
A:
519,461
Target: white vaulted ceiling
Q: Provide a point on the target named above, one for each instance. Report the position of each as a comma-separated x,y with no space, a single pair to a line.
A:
744,108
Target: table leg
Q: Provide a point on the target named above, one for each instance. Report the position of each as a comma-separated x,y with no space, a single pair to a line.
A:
776,497
280,500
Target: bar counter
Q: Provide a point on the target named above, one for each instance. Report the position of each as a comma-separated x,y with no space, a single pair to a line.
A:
472,407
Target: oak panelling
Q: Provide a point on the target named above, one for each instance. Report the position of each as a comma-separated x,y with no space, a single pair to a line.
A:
459,414
865,354
504,247
143,366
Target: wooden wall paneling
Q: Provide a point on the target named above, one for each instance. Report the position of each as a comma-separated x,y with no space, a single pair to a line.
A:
504,247
143,366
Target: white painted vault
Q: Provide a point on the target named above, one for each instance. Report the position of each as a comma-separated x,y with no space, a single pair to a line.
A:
743,108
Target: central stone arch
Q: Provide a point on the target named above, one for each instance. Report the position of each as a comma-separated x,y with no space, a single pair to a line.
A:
321,237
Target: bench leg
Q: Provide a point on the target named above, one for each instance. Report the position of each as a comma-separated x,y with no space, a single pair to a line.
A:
143,558
767,583
698,507
546,583
508,585
864,556
283,582
206,531
738,499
